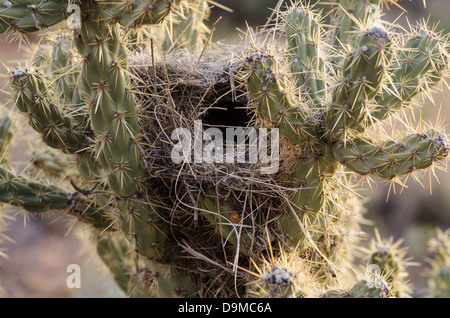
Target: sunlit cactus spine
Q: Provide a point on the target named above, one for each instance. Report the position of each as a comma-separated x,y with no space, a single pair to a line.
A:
325,89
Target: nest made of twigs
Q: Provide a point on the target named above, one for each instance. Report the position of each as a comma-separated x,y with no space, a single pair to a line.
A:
177,91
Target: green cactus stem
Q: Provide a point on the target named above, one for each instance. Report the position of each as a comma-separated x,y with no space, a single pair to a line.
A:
31,16
115,253
269,92
5,133
438,285
304,39
311,172
420,59
393,158
50,163
112,107
221,213
350,15
32,97
38,197
363,289
363,72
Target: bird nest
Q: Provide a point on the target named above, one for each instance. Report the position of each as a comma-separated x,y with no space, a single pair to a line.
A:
197,92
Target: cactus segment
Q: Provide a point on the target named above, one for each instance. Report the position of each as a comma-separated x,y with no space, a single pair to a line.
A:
65,72
350,13
266,87
440,68
142,225
363,289
88,167
58,130
112,107
32,196
38,197
166,281
438,285
115,253
160,281
393,158
310,174
5,133
307,64
420,62
362,75
392,265
189,28
33,99
133,13
220,211
50,163
31,15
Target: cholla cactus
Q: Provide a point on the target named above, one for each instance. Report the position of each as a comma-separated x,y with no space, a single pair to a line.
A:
390,259
49,162
439,273
126,73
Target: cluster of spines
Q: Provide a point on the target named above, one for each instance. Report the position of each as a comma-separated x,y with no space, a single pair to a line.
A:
284,276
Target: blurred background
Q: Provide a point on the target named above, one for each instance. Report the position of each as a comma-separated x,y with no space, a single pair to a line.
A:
42,248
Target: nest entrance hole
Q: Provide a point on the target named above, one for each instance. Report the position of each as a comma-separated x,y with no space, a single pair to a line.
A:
226,113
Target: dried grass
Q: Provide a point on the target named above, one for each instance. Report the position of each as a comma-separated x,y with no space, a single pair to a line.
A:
173,92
